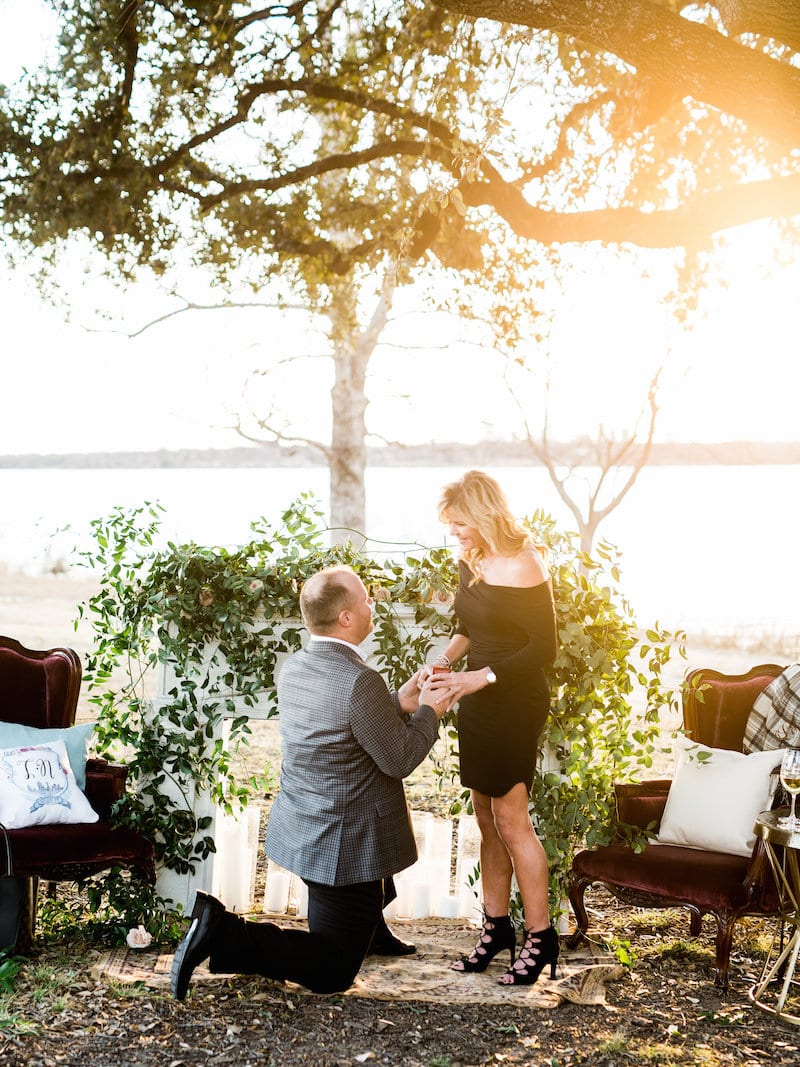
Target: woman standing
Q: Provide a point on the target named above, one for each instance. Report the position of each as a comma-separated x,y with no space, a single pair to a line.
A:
505,627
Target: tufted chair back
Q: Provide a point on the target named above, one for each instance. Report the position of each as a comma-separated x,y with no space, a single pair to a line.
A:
716,706
38,688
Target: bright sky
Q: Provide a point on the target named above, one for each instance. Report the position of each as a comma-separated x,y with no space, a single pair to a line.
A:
736,376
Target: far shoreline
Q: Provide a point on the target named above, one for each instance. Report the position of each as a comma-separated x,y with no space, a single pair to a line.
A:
451,454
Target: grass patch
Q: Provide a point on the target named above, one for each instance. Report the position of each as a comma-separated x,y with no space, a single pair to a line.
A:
652,921
679,949
45,980
127,990
754,937
617,1043
11,1023
655,1053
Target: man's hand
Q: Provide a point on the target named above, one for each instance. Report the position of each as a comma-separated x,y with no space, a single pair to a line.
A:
429,697
408,693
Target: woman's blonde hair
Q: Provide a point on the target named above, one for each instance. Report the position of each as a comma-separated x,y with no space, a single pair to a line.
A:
479,501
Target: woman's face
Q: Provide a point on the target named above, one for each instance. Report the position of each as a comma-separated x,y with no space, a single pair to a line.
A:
467,536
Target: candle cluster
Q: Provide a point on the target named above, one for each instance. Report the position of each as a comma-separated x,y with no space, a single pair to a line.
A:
234,872
440,883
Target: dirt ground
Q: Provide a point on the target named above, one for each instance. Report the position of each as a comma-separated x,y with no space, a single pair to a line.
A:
664,1011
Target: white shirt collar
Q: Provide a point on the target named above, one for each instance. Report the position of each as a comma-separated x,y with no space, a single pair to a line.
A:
318,640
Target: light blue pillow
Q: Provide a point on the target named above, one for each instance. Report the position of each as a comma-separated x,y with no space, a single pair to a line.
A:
75,738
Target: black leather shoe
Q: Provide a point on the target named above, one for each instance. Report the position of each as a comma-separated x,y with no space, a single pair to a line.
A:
196,945
384,943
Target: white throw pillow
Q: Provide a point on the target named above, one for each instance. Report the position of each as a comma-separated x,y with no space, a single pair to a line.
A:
76,738
715,796
38,787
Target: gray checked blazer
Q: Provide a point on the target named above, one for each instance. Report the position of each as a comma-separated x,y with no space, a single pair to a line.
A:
341,815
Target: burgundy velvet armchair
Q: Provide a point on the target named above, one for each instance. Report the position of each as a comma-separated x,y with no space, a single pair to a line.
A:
715,711
40,689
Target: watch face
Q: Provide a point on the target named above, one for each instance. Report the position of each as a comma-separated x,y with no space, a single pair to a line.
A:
491,677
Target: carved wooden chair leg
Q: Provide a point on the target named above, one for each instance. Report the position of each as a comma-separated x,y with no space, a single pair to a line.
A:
695,923
725,928
577,888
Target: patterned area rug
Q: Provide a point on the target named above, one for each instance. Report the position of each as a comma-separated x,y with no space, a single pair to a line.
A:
426,976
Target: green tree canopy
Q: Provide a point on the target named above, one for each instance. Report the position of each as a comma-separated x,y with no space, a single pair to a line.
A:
338,147
327,135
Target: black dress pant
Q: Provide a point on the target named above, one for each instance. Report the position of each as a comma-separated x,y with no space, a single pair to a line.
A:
325,958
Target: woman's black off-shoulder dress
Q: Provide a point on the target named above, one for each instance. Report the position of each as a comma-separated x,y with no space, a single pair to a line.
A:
513,631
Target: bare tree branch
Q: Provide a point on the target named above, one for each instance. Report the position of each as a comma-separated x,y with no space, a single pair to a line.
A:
609,455
191,305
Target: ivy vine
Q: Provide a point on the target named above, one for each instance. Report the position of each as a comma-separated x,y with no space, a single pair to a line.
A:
215,622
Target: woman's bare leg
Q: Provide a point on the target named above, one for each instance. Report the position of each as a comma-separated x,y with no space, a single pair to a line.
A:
518,839
496,868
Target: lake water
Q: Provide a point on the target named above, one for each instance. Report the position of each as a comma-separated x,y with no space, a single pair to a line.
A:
711,549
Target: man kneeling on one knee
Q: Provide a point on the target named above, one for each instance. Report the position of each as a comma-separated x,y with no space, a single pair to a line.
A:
341,820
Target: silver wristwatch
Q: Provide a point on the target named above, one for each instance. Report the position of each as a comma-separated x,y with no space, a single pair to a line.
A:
491,677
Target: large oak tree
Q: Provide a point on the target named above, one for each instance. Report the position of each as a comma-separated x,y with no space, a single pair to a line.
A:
329,146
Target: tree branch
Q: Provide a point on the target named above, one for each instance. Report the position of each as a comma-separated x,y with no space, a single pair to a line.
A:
279,436
693,222
697,61
337,161
314,89
777,19
190,305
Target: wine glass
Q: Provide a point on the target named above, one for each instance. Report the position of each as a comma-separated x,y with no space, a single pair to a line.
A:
790,780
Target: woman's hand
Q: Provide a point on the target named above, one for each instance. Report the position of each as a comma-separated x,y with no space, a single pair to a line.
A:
450,686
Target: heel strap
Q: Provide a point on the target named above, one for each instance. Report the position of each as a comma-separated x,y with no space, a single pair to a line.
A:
496,920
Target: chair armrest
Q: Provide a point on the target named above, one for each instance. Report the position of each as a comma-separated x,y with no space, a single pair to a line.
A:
642,803
105,784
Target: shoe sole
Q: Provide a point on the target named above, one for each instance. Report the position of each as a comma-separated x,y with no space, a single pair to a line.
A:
177,988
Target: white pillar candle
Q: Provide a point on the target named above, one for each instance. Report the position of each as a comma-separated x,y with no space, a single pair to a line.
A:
438,860
236,861
236,881
405,898
230,877
448,906
253,816
276,897
421,900
468,906
300,895
422,822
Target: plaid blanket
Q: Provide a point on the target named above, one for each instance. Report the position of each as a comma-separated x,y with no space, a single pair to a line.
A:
774,721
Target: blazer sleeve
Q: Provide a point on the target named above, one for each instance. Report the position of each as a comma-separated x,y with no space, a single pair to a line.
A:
397,743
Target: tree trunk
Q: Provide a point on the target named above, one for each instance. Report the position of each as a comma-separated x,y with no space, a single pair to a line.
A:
353,348
348,445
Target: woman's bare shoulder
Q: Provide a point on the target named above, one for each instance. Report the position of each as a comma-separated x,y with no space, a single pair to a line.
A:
527,568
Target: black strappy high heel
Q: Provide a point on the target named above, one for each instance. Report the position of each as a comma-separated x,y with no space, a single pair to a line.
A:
539,948
497,934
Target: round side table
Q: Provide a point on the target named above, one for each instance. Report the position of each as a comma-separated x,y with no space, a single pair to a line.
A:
777,991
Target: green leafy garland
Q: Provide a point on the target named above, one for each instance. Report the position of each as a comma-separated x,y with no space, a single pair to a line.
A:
217,619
